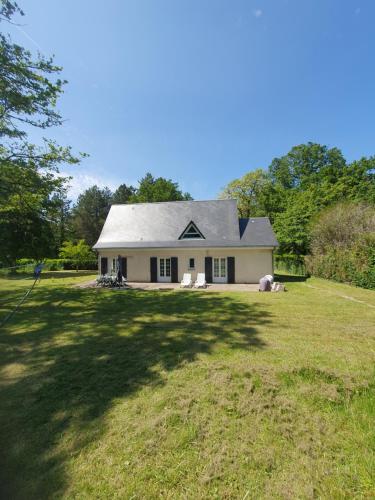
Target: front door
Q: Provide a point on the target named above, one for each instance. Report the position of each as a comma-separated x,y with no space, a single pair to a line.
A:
219,271
164,270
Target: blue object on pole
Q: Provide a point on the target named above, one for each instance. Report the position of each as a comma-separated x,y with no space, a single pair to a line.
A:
38,270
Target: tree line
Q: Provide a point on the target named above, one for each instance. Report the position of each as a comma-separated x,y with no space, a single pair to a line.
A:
86,218
69,230
296,187
320,205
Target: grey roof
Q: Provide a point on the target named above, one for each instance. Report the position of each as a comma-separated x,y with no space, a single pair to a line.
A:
159,225
255,230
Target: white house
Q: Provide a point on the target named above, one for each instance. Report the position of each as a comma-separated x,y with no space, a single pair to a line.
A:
159,242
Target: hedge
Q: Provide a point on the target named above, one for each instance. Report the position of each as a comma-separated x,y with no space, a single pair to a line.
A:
59,264
355,266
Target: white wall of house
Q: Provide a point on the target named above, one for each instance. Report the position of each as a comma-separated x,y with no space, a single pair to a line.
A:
250,263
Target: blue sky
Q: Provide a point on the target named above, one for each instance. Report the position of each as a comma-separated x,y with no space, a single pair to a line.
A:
204,91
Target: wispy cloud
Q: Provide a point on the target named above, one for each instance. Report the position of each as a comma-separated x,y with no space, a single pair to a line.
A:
81,181
257,12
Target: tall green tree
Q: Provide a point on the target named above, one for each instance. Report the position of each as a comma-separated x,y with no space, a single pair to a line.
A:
90,212
62,219
123,194
153,189
307,164
357,182
255,194
292,224
29,89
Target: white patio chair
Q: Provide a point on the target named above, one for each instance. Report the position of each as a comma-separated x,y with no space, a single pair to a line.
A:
186,281
201,281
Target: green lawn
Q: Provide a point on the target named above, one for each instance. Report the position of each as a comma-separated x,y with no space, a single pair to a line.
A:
183,394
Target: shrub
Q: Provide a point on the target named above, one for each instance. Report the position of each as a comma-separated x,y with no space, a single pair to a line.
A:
343,245
53,264
79,253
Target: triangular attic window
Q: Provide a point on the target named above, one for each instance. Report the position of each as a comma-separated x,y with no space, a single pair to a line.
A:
191,232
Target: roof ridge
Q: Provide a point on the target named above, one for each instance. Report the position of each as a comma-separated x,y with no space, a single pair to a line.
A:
165,202
253,218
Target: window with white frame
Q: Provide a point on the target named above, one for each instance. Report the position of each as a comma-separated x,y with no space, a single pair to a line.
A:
164,268
191,263
220,267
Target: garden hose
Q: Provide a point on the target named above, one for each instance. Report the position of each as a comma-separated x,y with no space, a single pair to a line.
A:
7,318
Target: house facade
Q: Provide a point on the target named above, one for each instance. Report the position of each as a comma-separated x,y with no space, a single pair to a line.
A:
159,242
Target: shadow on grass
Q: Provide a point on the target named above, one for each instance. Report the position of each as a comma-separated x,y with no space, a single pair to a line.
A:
290,278
69,353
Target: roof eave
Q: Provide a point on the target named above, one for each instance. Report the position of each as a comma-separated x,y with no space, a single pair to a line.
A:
123,246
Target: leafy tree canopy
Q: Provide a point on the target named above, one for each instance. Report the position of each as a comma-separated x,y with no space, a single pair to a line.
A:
90,213
8,9
123,194
297,186
248,191
307,164
29,89
153,189
79,252
292,224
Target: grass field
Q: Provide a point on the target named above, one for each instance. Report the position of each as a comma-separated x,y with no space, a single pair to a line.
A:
181,394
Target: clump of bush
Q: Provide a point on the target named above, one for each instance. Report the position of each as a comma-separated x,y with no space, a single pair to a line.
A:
79,252
343,245
78,256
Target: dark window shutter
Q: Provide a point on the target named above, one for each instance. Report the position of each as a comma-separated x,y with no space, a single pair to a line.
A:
103,265
208,269
154,269
231,271
124,266
174,269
